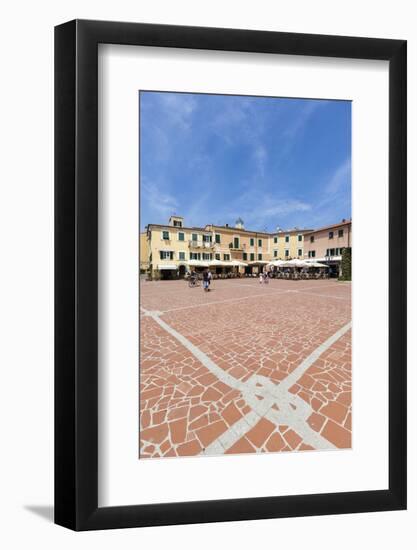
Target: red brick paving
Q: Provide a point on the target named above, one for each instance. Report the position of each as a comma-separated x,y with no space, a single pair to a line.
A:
180,400
327,387
245,329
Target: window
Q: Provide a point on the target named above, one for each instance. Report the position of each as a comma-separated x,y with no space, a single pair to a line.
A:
245,256
275,253
259,256
217,256
312,239
207,256
252,242
287,253
194,237
259,242
177,223
313,253
226,257
300,252
166,255
330,252
165,235
195,256
340,233
236,242
217,238
300,238
287,238
206,238
181,255
252,257
275,240
330,234
180,236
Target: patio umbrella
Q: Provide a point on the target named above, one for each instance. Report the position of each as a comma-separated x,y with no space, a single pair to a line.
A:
295,263
277,263
238,263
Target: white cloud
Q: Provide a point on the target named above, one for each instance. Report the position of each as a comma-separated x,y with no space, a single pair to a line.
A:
178,108
160,202
299,122
230,121
285,207
269,212
261,156
339,178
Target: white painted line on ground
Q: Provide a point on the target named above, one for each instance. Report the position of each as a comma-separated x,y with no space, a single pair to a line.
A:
220,302
269,392
292,378
263,295
324,295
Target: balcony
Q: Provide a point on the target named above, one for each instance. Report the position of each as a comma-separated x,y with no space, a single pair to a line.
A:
240,248
200,244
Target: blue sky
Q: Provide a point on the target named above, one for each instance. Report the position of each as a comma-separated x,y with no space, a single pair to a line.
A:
271,161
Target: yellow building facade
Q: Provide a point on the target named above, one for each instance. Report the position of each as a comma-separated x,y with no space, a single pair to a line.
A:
287,245
174,249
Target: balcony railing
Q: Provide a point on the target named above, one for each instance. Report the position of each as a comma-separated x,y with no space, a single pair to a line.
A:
240,247
200,244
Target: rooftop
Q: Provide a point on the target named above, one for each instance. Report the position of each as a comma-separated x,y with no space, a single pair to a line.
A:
332,226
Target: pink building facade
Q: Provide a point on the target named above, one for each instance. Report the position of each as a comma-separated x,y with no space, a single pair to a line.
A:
325,245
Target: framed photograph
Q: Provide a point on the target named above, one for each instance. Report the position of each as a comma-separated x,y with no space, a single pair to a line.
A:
230,244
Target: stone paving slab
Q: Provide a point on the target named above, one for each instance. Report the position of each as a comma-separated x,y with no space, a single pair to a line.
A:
327,387
207,360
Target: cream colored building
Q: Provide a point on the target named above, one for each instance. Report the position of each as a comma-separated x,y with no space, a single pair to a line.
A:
174,249
287,245
143,253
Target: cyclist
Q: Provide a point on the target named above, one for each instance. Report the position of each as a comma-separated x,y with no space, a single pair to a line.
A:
193,278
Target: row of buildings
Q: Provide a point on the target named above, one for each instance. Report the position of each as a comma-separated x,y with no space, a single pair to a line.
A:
169,251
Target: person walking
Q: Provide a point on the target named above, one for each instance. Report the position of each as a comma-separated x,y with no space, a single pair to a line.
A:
209,279
205,280
261,278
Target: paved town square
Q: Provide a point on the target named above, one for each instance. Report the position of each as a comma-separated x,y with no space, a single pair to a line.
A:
244,368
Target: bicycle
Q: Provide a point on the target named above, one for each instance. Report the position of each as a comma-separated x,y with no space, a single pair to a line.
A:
193,281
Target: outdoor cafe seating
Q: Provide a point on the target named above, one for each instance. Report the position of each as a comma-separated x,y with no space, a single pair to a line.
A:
297,270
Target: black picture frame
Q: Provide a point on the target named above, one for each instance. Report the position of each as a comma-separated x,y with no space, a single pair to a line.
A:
76,272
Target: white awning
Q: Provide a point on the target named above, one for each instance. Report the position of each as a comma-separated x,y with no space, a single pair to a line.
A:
198,263
163,267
